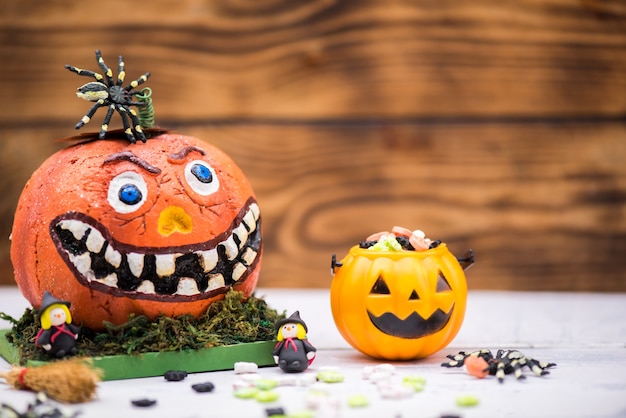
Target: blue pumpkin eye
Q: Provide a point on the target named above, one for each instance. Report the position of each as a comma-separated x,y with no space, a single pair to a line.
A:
130,194
202,173
201,177
127,192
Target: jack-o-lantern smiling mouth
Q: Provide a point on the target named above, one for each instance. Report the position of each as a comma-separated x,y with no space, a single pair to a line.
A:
414,326
185,273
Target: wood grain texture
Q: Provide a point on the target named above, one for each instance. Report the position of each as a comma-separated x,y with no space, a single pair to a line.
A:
499,126
539,213
324,59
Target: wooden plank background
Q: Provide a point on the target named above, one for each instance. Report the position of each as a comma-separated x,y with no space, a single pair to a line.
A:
499,126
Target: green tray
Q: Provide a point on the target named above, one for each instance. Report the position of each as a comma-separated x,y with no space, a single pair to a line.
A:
156,364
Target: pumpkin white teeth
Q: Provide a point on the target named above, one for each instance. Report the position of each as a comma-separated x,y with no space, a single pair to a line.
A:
135,263
78,229
110,280
146,287
238,271
216,281
187,287
113,257
230,247
165,264
241,234
208,259
94,241
248,256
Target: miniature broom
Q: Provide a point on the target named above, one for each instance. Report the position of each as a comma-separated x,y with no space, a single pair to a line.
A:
68,381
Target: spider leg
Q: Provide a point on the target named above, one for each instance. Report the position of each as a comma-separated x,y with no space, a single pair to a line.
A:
538,368
85,119
107,71
126,112
133,84
120,71
137,123
457,360
500,371
105,122
123,111
517,368
86,73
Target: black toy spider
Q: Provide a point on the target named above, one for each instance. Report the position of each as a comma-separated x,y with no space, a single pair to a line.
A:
505,362
113,95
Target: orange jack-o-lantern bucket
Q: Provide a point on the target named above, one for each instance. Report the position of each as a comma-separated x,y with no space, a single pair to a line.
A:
398,305
163,227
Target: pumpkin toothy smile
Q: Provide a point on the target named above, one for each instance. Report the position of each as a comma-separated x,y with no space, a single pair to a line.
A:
186,273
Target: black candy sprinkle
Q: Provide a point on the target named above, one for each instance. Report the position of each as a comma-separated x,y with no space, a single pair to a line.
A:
143,402
203,387
277,411
175,375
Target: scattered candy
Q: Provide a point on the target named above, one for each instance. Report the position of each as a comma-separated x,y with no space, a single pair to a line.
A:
399,239
242,384
476,366
203,387
242,367
246,393
401,231
393,391
316,399
385,367
330,376
466,400
419,241
266,396
143,402
306,379
380,376
417,383
358,401
175,375
266,384
275,412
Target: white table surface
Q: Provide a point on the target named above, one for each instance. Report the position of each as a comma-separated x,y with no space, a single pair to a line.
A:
584,333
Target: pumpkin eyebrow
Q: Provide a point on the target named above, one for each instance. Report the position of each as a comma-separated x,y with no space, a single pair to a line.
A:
130,157
180,155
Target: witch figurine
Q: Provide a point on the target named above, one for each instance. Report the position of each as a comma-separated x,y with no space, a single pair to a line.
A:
293,352
57,334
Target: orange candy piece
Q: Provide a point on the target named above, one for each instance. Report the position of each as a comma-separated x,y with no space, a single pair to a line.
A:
476,366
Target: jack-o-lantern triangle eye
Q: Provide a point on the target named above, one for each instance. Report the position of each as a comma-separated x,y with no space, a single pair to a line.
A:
442,283
380,287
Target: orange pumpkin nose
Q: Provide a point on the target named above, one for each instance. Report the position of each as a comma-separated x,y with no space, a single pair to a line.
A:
174,219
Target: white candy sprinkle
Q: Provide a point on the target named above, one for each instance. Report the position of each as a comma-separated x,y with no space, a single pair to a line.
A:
306,379
380,376
245,367
385,367
391,391
242,384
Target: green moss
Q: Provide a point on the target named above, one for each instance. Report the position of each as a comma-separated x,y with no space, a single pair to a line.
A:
230,321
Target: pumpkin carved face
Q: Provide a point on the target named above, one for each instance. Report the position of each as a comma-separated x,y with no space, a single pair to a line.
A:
117,228
398,305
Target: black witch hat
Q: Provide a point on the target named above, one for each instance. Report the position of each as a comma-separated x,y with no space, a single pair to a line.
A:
294,318
49,300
